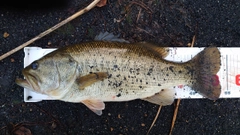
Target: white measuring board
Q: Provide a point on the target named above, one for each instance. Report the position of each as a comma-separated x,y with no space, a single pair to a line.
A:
229,73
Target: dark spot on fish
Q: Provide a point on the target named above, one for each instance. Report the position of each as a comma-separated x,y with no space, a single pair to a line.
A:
154,78
124,78
140,80
150,71
117,84
171,68
29,97
167,75
140,86
131,70
109,76
121,89
118,95
180,71
118,75
146,82
90,72
115,66
164,79
91,67
136,80
190,70
159,84
175,94
109,83
162,90
129,76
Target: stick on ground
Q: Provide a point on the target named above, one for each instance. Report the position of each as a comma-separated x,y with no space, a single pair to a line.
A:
178,101
159,109
86,9
174,116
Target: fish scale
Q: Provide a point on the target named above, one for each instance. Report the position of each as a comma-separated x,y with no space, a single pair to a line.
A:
95,60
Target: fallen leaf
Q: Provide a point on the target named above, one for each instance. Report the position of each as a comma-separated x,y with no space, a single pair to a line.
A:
22,131
101,3
54,125
5,34
12,60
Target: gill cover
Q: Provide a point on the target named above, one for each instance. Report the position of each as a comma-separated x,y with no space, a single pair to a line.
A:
66,70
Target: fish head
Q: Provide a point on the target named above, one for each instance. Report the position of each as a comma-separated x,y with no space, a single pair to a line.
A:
51,75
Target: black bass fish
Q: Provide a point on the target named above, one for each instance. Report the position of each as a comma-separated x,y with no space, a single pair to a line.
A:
101,71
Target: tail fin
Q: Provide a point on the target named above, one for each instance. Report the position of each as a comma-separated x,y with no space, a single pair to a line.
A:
207,64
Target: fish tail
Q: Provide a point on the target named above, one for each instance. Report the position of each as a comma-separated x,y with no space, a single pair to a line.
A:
206,64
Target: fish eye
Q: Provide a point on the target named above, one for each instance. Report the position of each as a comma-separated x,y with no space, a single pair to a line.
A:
34,65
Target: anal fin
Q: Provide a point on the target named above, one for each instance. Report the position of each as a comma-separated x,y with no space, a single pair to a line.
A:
164,97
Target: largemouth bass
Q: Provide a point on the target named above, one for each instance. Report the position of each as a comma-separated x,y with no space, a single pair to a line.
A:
100,71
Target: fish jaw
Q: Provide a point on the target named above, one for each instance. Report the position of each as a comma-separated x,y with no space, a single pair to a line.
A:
23,82
30,82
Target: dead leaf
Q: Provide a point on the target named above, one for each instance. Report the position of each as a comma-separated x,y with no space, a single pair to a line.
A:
54,125
22,131
12,60
5,34
101,3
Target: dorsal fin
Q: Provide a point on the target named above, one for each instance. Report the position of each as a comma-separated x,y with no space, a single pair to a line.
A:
106,36
161,51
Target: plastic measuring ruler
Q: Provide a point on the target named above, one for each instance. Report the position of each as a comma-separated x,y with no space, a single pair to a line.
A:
229,73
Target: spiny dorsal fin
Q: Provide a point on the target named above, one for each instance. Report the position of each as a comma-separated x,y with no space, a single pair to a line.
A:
164,97
162,51
90,79
106,36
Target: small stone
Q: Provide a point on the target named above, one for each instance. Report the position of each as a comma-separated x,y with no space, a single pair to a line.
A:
12,60
5,34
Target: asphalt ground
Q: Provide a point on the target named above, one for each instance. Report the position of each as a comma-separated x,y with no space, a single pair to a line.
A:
166,23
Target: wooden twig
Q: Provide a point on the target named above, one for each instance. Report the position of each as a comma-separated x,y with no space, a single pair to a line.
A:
86,9
193,40
158,112
174,116
178,101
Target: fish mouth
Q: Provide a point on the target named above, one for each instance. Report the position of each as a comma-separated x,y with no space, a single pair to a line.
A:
30,82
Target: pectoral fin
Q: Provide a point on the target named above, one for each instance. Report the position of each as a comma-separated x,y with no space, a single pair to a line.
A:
90,79
164,97
95,105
